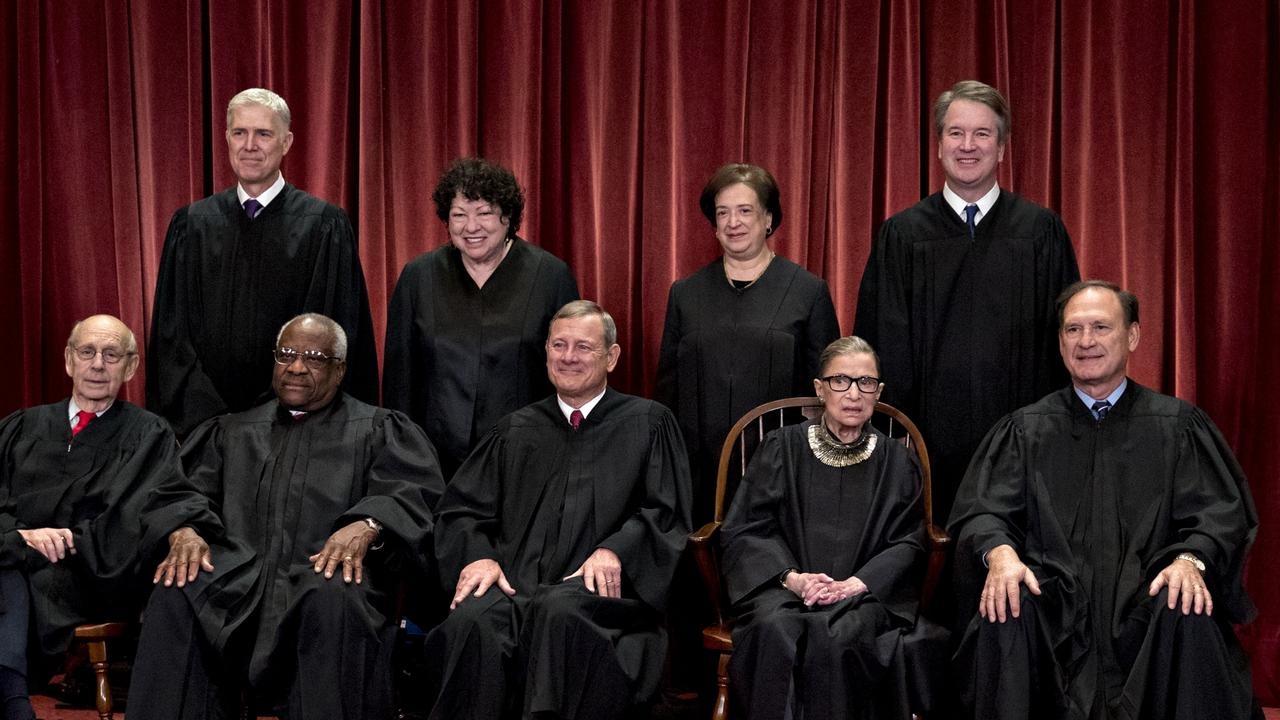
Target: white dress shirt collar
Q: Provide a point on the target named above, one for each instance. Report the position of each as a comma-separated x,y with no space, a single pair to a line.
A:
586,408
958,203
267,195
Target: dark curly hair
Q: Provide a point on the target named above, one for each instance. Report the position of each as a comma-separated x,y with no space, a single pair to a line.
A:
754,177
479,179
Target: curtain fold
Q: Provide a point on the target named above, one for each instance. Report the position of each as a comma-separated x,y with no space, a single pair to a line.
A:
1152,127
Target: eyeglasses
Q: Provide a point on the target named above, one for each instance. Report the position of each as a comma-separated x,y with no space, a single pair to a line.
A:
86,353
562,347
313,359
840,383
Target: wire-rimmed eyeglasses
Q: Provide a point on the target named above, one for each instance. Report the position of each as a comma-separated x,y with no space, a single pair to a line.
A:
110,356
313,359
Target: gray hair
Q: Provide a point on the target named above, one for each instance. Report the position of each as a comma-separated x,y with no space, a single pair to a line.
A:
851,345
585,308
979,92
328,323
263,97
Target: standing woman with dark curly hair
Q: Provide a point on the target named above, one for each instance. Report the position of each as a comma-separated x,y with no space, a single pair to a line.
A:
467,322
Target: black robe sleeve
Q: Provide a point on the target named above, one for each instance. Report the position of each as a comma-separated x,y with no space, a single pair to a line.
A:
468,516
884,315
667,388
178,388
651,541
403,482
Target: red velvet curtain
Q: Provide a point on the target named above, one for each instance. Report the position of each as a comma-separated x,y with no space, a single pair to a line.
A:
1152,127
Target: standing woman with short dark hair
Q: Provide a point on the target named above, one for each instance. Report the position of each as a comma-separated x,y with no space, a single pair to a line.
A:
745,329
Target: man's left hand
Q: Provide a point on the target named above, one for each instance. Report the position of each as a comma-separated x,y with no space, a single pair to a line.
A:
601,573
1184,580
346,547
53,543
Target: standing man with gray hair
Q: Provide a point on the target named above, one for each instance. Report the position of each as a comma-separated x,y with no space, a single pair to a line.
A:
237,265
958,293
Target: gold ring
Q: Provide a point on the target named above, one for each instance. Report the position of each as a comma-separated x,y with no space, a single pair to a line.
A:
347,559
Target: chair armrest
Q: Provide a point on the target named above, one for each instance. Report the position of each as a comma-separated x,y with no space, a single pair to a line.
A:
705,546
939,541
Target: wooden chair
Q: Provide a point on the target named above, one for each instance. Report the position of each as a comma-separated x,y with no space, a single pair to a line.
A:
740,444
95,637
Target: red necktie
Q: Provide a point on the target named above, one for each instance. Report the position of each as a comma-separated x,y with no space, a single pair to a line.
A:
82,418
575,418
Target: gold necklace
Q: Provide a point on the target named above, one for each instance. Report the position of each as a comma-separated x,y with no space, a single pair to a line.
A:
760,274
830,451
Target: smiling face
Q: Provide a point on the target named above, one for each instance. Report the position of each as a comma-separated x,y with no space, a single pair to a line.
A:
578,362
741,222
1095,342
257,142
478,229
846,412
970,149
300,387
95,382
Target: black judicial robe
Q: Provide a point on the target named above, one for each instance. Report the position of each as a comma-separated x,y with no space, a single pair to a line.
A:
966,329
726,350
867,520
1096,510
459,357
95,484
538,498
226,286
266,491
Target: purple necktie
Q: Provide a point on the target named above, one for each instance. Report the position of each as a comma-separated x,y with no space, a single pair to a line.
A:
970,212
252,207
575,418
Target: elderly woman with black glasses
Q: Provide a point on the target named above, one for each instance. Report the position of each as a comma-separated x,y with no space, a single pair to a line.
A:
823,545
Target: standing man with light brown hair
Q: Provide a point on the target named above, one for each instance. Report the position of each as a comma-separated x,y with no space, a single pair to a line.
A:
237,265
958,293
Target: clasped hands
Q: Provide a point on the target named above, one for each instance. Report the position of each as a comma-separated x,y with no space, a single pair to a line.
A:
189,553
822,589
601,573
1006,573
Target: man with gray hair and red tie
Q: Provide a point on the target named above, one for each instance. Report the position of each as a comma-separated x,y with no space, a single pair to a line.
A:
74,476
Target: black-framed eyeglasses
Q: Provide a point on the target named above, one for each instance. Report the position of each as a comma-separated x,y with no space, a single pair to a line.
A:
110,356
313,359
841,383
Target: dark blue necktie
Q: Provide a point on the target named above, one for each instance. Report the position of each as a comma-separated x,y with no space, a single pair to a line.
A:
970,212
252,207
1101,408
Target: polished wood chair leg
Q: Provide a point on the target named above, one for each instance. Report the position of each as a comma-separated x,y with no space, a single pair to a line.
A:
721,709
102,695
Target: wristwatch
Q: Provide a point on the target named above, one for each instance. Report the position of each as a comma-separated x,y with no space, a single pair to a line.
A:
1193,560
374,525
782,579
